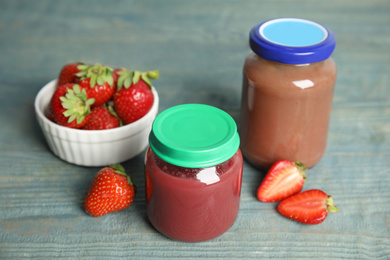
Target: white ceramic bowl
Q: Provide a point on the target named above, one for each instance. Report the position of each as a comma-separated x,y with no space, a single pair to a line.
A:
93,147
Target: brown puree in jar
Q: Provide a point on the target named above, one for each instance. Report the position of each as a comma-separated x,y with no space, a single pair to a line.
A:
287,92
285,110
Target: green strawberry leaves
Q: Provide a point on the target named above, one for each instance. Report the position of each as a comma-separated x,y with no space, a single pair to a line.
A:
76,103
146,76
121,171
127,78
98,74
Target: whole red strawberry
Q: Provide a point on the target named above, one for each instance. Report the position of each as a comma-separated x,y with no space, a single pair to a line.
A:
68,74
283,179
309,207
98,80
70,106
111,190
133,97
101,118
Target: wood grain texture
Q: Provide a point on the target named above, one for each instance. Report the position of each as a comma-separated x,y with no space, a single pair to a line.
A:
199,48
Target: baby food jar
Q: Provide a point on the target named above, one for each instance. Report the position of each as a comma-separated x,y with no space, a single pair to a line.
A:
287,92
193,170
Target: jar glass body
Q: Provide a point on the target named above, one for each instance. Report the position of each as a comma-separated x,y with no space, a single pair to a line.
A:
285,110
192,204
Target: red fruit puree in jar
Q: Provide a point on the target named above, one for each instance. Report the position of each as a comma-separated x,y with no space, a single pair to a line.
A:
185,200
287,92
195,197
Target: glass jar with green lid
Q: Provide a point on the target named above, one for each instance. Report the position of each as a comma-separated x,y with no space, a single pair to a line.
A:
193,172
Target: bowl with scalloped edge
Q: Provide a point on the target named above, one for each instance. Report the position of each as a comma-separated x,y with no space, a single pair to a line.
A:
93,147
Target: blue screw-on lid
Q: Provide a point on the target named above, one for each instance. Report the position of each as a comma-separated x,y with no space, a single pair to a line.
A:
292,41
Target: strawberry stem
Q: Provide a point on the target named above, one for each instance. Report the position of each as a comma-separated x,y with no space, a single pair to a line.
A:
301,169
330,207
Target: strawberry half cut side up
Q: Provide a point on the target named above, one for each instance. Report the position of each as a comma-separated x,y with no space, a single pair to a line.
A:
71,106
284,178
111,190
309,207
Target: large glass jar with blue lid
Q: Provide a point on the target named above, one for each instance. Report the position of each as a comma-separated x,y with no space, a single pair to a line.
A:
287,92
193,171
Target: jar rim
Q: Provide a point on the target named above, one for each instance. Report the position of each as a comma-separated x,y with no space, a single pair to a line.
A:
292,41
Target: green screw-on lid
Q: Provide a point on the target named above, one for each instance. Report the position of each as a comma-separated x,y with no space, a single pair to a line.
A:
194,136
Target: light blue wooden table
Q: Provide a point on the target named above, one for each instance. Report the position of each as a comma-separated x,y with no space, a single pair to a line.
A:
199,48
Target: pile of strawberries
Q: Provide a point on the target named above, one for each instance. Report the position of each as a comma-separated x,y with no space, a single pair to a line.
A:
97,97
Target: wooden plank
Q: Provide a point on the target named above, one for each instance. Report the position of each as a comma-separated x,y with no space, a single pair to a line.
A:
199,48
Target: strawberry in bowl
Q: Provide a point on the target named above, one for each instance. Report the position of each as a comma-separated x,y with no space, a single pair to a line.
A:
133,97
81,133
98,81
70,106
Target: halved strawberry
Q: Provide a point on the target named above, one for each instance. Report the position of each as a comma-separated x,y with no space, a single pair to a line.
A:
70,106
283,179
309,207
98,80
